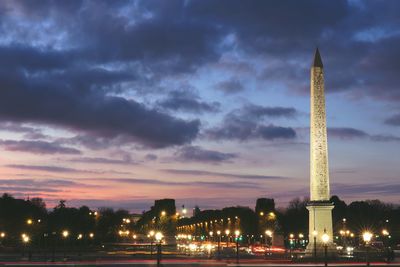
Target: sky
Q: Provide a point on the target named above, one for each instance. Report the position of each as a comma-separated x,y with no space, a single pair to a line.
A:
118,103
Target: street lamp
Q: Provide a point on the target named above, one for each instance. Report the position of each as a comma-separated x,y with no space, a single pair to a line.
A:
158,237
268,237
151,235
367,236
25,240
237,234
325,240
227,232
219,244
291,245
315,233
65,235
163,213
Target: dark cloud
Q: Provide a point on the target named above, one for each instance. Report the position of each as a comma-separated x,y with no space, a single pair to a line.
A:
25,187
183,101
90,112
384,138
28,131
259,112
37,147
99,160
43,168
39,182
352,133
221,174
393,120
248,123
375,189
163,39
346,133
198,154
151,157
231,86
59,169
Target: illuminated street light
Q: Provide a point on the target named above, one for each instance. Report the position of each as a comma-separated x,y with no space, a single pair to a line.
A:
25,239
159,237
79,236
151,235
325,240
2,234
65,233
227,232
163,213
237,234
211,233
385,232
219,245
271,216
261,213
29,221
91,235
367,236
268,233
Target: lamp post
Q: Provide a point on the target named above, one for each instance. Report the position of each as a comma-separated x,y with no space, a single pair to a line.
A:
2,236
25,240
159,237
325,240
291,244
227,232
237,234
219,245
367,236
151,235
315,233
65,235
268,236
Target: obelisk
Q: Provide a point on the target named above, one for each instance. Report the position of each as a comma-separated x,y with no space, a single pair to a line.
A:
319,207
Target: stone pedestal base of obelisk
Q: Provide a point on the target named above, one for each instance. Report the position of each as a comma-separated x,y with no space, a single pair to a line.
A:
320,222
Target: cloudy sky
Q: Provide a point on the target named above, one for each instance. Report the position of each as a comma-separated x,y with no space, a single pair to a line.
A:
118,103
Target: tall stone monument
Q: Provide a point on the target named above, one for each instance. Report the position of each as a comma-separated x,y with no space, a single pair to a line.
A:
319,207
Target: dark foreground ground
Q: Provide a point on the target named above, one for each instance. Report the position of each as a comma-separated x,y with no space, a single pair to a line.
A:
128,255
190,263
